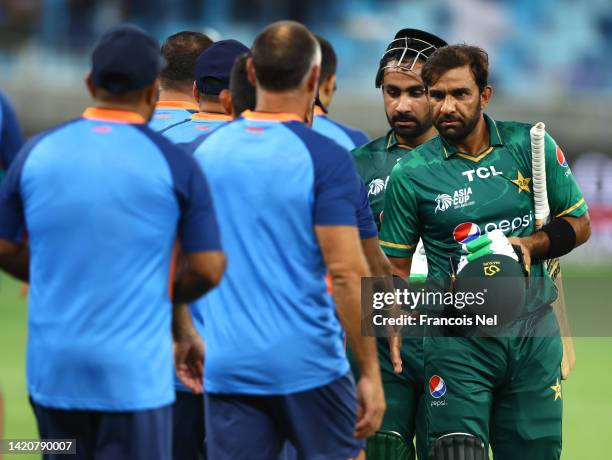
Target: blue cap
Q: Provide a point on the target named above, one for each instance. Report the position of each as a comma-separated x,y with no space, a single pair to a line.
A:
216,64
126,58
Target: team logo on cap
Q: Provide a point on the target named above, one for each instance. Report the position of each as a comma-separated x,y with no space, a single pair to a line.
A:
466,232
437,387
561,158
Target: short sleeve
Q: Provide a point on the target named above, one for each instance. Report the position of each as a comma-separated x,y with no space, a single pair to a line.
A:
12,220
336,187
564,195
11,139
365,220
399,233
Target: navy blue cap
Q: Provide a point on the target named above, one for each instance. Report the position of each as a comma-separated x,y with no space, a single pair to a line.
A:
215,64
126,58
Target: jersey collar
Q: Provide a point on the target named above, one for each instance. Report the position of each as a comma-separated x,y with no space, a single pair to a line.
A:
393,142
176,105
207,116
113,115
495,139
270,116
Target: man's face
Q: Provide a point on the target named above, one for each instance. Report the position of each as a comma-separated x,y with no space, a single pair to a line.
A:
406,103
457,103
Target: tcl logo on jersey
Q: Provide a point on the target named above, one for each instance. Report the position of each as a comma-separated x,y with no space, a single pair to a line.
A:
482,173
377,186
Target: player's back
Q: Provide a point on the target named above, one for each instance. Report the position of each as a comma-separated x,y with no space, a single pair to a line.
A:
168,113
101,206
271,327
346,136
194,126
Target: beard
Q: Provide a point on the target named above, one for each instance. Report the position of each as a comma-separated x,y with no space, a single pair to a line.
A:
410,132
464,128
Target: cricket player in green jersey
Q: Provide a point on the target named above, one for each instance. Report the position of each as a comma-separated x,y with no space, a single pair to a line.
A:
409,115
473,178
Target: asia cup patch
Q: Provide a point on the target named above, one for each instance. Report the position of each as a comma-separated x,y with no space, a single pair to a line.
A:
437,387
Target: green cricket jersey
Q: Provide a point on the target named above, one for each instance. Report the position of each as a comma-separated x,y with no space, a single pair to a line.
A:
374,161
448,198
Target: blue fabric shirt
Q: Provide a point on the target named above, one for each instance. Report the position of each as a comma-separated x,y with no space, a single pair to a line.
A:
196,125
104,199
347,137
11,139
271,326
182,133
168,113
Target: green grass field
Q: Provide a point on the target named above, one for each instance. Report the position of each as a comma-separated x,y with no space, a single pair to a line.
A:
587,422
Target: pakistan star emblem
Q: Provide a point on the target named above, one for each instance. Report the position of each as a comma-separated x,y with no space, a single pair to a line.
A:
522,182
557,389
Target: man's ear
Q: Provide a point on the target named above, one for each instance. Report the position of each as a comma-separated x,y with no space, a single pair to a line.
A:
225,98
196,93
485,96
313,78
152,93
251,72
91,88
326,89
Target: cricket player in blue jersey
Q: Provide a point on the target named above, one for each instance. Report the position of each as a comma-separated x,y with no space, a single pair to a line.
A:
11,139
188,411
286,198
104,199
175,104
344,135
210,92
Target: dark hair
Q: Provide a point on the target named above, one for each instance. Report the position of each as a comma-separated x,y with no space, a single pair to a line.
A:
181,52
282,55
243,92
453,56
329,61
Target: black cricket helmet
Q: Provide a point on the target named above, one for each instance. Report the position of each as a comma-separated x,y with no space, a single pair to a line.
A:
408,45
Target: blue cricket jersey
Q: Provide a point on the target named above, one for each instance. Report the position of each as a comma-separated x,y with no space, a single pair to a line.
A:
271,326
168,113
11,139
182,133
347,137
194,126
103,198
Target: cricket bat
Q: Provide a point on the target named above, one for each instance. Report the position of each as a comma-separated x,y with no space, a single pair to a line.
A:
542,216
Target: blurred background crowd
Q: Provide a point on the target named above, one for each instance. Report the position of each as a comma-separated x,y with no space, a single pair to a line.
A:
550,61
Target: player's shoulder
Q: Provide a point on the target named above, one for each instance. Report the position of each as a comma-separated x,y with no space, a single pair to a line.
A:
422,160
357,136
370,149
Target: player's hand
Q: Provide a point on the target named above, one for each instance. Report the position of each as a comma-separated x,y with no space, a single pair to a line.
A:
189,361
520,243
569,357
395,349
370,406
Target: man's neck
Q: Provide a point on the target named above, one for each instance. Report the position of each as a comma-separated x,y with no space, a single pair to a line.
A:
211,107
292,101
475,142
176,95
414,142
141,109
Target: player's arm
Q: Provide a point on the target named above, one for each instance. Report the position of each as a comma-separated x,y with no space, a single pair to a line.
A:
570,226
335,218
12,139
14,253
